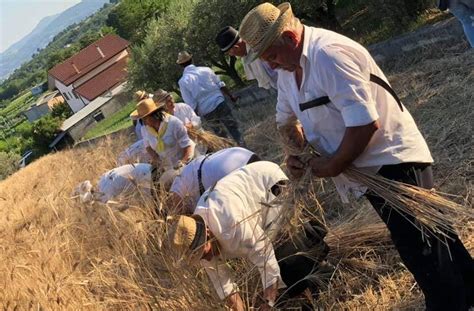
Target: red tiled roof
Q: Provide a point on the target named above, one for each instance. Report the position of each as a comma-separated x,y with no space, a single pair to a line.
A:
104,81
88,58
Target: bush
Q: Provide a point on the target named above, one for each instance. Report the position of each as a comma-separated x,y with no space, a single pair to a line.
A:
9,163
44,131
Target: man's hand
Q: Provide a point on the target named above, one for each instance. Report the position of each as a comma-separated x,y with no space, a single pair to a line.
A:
235,302
270,296
295,167
322,167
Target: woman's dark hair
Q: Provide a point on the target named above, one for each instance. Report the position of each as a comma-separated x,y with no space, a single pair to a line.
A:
140,121
159,114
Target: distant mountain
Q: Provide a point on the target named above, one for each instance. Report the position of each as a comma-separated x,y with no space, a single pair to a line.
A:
43,33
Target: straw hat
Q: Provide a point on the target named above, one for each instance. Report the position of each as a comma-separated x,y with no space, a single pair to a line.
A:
187,236
161,96
144,108
226,38
263,25
184,57
140,95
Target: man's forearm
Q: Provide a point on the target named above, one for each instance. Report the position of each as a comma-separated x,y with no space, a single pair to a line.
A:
187,154
353,143
292,136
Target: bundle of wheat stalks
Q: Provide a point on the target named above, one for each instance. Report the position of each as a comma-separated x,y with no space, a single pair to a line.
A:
210,140
433,211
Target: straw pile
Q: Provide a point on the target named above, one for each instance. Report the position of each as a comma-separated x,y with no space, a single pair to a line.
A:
209,140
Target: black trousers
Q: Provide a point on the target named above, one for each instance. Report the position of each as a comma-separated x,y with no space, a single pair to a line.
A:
447,282
300,256
222,116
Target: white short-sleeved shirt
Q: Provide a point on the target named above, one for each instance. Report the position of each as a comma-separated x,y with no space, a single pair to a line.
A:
261,71
125,179
175,138
338,67
135,153
234,213
201,89
138,130
215,167
186,114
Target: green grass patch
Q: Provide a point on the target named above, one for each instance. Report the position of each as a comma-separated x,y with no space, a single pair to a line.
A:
119,120
17,106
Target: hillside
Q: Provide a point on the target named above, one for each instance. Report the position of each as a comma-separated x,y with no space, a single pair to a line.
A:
43,33
59,254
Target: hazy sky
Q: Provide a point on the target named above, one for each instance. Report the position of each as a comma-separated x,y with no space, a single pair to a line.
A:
19,17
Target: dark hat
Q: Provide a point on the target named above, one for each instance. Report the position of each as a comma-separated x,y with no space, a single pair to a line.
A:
226,38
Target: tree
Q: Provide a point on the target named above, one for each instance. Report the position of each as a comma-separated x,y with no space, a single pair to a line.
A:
130,17
61,111
44,131
153,62
206,20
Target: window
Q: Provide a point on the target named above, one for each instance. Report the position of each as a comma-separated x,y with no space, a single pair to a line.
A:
98,116
65,95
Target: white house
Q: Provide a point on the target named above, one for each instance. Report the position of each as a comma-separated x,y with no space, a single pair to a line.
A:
92,72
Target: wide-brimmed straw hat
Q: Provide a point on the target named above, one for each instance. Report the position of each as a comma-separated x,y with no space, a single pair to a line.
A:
187,236
183,57
161,96
144,108
226,38
263,25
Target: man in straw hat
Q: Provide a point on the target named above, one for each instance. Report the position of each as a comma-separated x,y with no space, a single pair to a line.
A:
167,136
349,113
202,89
238,218
231,44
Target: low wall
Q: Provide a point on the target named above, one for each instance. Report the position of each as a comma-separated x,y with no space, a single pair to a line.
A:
445,32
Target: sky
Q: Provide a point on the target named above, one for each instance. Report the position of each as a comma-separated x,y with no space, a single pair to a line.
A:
19,17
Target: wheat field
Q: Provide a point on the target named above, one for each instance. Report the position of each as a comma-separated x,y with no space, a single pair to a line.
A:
58,254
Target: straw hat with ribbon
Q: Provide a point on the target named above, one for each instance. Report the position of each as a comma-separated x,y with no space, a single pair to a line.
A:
161,96
183,57
187,236
144,108
263,25
140,95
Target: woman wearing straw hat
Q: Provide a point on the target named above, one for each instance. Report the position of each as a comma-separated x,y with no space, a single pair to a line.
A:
351,115
240,218
167,137
182,111
231,44
202,89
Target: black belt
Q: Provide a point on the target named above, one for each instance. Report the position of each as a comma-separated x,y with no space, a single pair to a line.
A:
201,186
325,99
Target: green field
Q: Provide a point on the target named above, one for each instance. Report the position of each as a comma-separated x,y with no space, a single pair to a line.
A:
119,120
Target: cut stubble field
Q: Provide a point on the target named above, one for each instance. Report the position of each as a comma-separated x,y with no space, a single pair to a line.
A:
59,254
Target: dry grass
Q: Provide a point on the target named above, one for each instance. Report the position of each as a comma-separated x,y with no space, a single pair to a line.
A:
58,254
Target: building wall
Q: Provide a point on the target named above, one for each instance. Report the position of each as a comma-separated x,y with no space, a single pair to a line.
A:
113,105
75,101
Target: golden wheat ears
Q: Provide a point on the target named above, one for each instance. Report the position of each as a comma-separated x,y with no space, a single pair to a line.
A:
432,212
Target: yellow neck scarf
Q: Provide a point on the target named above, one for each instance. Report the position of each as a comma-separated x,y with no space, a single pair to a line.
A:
160,144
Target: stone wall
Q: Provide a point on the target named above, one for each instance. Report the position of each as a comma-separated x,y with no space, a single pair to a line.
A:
108,109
